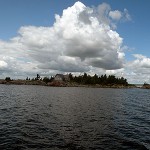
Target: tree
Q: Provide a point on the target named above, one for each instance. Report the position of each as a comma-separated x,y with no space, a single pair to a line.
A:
46,79
111,79
95,79
37,77
70,77
103,79
7,79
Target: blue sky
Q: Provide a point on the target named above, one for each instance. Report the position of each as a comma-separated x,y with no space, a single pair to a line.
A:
15,14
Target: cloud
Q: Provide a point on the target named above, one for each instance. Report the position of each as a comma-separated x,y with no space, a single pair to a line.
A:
116,15
138,70
140,61
90,37
3,64
127,15
82,39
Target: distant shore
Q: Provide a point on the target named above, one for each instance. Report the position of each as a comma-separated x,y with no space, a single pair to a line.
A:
22,82
146,86
62,84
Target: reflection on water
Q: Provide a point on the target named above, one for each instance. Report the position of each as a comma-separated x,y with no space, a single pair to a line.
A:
38,117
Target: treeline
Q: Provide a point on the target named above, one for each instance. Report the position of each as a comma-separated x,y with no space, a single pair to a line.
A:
84,79
45,79
103,79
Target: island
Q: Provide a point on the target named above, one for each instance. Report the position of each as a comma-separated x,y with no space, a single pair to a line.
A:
69,80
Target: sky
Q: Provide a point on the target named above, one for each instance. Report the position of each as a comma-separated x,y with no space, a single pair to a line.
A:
47,37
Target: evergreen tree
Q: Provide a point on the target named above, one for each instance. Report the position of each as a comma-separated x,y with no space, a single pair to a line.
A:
103,79
7,79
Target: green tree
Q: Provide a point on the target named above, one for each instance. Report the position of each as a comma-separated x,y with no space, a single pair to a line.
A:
70,77
7,79
46,79
37,77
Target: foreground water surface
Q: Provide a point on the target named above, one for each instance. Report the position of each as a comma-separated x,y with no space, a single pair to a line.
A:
53,118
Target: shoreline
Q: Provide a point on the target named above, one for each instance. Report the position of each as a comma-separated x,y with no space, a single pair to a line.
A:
65,84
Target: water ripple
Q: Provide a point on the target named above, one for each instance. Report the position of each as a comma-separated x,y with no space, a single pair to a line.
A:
45,118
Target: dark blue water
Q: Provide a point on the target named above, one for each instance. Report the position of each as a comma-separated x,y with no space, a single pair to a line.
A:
49,118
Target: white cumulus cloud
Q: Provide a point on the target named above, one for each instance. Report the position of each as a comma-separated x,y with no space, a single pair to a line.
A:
82,39
138,70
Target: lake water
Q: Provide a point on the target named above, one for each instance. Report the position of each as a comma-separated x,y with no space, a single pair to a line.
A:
53,118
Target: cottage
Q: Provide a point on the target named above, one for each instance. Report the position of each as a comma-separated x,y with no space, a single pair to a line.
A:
61,77
67,78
